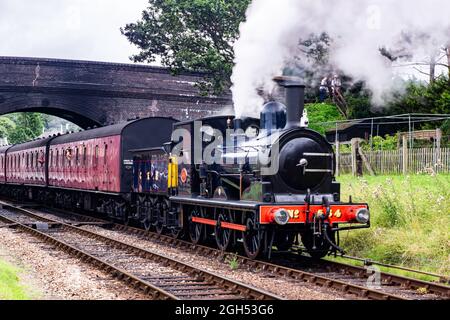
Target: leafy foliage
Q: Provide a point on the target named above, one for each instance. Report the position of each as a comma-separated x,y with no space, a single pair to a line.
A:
6,126
421,97
190,35
21,127
380,143
319,113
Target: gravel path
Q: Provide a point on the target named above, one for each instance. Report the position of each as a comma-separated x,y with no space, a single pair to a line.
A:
54,275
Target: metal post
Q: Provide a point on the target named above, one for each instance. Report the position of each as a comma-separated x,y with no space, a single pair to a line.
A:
410,136
354,144
371,136
338,155
438,148
337,151
405,154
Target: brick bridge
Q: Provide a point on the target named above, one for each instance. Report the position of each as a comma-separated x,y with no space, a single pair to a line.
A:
96,93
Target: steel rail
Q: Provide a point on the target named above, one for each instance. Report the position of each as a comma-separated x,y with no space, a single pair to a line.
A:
235,288
369,262
387,279
296,274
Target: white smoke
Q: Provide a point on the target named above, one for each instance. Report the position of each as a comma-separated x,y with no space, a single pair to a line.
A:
270,37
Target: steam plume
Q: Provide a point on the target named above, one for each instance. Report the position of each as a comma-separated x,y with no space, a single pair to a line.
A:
269,41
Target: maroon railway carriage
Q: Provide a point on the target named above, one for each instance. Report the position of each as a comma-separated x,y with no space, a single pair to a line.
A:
93,169
25,163
3,151
90,169
23,168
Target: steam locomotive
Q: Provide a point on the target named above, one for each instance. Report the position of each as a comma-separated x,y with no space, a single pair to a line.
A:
257,184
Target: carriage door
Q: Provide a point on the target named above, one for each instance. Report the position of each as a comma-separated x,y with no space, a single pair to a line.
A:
106,180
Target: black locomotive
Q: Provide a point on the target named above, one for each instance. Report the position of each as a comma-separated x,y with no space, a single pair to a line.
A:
269,185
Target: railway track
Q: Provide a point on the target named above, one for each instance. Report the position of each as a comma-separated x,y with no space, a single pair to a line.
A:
349,279
156,275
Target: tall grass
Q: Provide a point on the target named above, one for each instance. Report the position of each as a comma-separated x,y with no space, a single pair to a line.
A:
410,218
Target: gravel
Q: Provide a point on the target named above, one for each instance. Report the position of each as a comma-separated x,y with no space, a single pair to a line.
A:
64,275
284,287
55,275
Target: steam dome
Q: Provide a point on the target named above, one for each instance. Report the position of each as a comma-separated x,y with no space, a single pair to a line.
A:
273,116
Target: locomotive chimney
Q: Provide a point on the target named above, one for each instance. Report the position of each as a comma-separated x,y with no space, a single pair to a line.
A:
295,99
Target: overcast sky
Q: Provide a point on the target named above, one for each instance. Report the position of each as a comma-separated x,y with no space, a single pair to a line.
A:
68,29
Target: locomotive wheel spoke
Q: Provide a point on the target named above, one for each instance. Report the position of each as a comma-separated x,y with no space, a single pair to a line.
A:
252,238
195,229
223,236
160,214
147,224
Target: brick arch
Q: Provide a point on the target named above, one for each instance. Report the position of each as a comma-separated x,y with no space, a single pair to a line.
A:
96,93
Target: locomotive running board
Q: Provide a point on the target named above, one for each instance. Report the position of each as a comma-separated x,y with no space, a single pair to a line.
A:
235,205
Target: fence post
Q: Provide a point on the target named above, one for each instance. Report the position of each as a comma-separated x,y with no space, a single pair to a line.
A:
405,154
356,158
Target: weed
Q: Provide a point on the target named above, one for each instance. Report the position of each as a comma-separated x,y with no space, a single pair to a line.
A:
233,261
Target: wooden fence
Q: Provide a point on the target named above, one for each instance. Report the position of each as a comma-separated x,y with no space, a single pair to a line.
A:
424,160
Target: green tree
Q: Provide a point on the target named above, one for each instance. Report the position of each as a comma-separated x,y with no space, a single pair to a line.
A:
422,98
190,35
6,126
319,114
28,126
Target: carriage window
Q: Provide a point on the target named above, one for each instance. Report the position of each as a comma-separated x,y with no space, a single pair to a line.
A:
105,154
57,158
51,159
